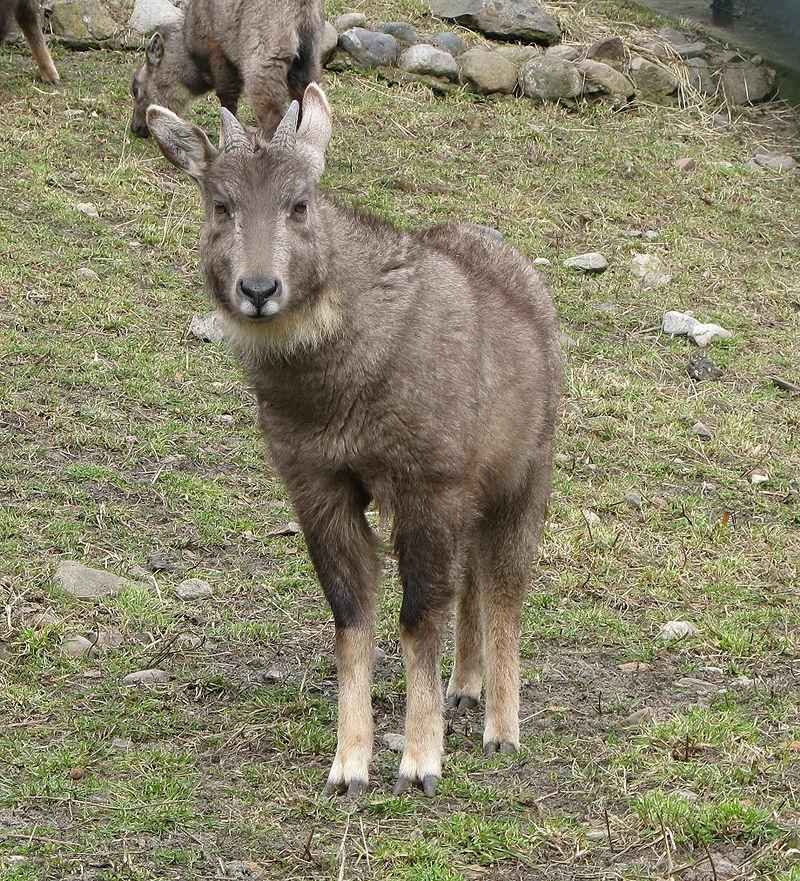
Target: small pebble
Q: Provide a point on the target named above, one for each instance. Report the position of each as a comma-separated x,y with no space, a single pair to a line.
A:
701,430
88,274
591,262
121,744
759,476
76,646
639,717
395,742
146,677
225,419
672,630
634,667
88,209
77,773
193,589
541,261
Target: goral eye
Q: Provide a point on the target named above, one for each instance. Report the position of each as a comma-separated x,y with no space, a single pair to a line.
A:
221,210
300,209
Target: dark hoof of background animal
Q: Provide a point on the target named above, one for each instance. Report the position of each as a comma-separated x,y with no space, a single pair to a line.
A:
461,703
498,746
428,785
353,789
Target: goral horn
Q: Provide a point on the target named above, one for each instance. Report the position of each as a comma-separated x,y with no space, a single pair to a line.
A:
286,133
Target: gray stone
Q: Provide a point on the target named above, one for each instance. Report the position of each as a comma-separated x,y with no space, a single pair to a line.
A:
428,60
550,79
402,31
487,71
88,274
76,646
518,54
591,262
193,589
702,369
150,15
690,50
209,328
487,231
541,261
702,431
369,49
672,630
611,50
81,20
350,20
775,161
146,677
140,574
88,209
683,323
652,80
85,583
692,684
395,742
743,682
639,717
700,77
448,42
677,323
759,476
673,36
105,638
605,78
747,83
564,51
329,43
650,271
596,835
634,499
122,744
505,19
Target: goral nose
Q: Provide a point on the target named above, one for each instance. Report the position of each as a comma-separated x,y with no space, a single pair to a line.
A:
259,289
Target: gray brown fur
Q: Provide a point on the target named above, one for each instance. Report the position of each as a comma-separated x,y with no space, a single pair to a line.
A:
26,13
267,49
420,371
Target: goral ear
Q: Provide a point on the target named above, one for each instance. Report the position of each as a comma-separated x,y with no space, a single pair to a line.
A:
314,132
155,49
185,145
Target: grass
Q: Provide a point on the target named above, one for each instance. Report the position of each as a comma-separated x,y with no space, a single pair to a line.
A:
113,450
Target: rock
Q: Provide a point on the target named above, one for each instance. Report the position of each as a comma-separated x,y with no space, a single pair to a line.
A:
634,499
743,682
564,51
76,646
140,574
209,328
368,48
687,794
426,59
395,742
88,274
272,676
690,50
723,869
193,589
650,271
550,79
520,20
77,773
673,630
652,80
150,15
692,684
85,583
701,368
639,717
159,562
700,77
88,209
611,50
759,476
634,667
683,323
591,262
747,83
82,20
517,54
448,42
487,231
596,835
775,161
329,43
605,78
43,618
225,419
350,20
290,528
402,31
541,261
685,164
122,744
702,430
146,677
487,71
566,341
673,36
242,870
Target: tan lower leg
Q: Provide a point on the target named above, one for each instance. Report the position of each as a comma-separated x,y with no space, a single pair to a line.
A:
501,621
464,688
354,653
422,756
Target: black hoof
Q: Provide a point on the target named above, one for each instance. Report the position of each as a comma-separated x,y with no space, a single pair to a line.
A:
403,785
428,785
498,746
461,703
353,789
